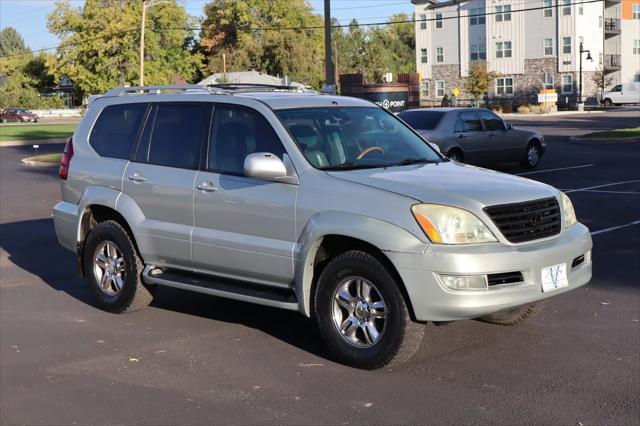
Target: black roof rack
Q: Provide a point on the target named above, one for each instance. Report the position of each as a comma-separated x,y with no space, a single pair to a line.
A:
253,87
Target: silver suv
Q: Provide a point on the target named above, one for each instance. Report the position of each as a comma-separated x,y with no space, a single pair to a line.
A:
325,205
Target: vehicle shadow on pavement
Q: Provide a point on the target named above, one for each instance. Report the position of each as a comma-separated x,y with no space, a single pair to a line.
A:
32,246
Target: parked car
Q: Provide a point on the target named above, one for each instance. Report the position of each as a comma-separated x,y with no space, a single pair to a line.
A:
620,94
326,205
476,136
17,114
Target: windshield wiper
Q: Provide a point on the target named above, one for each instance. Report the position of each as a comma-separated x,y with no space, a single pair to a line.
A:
350,165
412,160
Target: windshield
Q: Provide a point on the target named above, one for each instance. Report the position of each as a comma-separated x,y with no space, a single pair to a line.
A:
423,120
355,137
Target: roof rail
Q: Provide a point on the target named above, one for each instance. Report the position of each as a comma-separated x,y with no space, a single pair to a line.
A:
254,87
122,91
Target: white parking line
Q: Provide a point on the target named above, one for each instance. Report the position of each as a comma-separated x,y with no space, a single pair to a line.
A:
601,186
604,191
555,170
613,228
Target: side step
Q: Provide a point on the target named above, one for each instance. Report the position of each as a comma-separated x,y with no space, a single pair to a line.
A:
222,287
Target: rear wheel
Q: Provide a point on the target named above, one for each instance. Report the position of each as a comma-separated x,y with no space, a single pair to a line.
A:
532,155
456,155
113,269
515,316
361,313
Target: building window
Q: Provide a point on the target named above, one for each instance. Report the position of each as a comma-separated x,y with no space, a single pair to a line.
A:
478,52
503,13
424,58
567,84
438,20
548,47
477,16
580,9
440,88
636,47
636,11
439,54
566,7
503,49
600,20
547,10
566,44
423,22
504,86
549,80
424,89
636,78
600,57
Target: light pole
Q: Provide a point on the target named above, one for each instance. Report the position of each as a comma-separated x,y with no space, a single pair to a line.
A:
145,5
580,71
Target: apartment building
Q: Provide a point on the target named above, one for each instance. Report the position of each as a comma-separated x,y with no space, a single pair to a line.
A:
531,44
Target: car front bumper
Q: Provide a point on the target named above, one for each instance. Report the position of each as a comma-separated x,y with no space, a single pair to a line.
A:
431,300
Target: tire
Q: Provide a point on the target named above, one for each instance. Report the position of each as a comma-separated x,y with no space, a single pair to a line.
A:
515,316
126,294
531,155
456,155
607,102
399,337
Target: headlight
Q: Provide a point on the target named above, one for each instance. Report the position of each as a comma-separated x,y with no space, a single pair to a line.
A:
568,212
450,225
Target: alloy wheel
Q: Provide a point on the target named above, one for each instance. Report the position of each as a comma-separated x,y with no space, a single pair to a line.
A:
109,268
359,312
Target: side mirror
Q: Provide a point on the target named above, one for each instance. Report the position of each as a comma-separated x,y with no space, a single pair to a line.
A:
264,165
508,126
436,147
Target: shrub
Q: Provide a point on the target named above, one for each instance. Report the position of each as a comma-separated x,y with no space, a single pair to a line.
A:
535,108
524,109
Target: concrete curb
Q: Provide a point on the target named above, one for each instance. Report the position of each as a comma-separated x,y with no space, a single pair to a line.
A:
551,114
31,163
603,141
31,142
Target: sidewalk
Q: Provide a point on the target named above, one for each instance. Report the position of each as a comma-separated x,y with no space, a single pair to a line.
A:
32,142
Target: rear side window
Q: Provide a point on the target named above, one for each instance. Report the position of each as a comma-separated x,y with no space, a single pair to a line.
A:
468,121
422,120
177,133
238,132
116,131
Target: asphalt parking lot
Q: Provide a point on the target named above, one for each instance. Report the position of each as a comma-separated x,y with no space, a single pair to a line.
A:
194,359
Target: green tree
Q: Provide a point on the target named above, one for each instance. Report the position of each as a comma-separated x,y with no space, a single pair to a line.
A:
264,35
478,82
11,42
100,42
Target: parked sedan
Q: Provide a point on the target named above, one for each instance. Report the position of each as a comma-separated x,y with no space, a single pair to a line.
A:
17,114
476,136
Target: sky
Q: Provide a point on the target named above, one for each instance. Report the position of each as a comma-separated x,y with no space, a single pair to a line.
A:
29,17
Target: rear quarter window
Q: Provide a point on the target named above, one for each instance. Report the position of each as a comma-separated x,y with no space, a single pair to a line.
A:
422,120
116,131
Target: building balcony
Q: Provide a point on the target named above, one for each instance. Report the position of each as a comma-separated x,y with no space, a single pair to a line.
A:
611,27
611,62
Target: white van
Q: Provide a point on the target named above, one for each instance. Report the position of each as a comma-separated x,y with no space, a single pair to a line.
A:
625,93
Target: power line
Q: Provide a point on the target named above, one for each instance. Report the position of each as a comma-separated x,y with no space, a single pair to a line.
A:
301,28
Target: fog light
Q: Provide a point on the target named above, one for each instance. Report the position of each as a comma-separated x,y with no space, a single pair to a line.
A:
465,282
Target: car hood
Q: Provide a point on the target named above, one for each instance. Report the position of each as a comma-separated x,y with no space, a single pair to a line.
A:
450,183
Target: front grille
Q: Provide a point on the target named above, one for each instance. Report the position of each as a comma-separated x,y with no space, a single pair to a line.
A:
504,278
531,220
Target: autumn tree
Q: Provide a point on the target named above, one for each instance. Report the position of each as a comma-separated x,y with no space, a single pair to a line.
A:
100,41
478,82
278,37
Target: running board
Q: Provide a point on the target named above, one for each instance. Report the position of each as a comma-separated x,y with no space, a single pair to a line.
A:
221,287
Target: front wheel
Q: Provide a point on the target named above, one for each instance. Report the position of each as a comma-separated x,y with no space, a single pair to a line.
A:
455,155
361,313
515,316
532,155
113,269
608,102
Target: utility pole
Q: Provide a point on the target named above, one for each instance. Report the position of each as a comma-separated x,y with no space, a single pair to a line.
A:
330,85
144,18
145,5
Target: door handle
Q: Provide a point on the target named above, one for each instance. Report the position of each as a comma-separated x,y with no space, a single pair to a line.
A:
137,178
207,187
461,136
